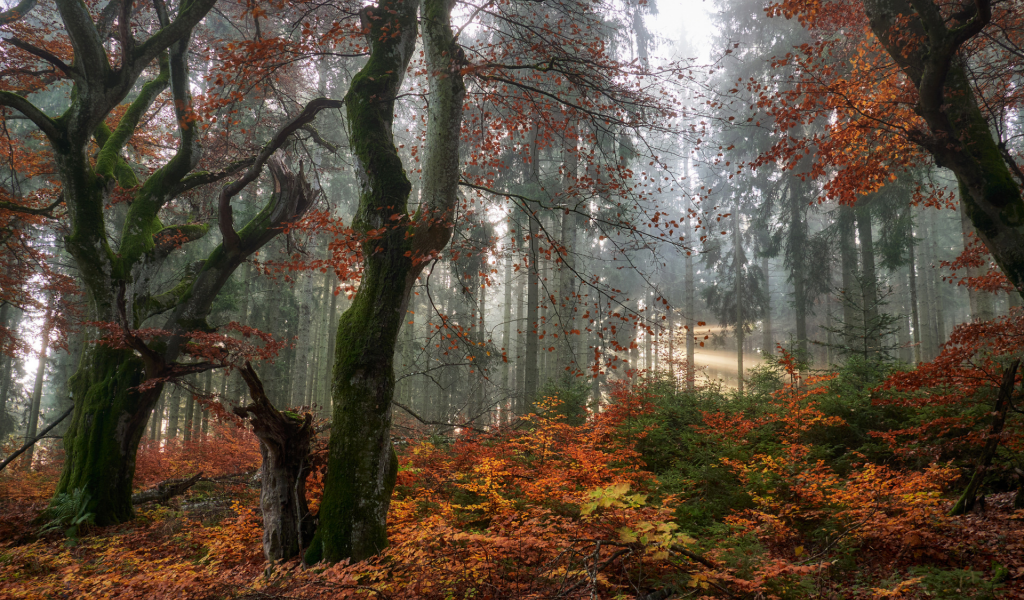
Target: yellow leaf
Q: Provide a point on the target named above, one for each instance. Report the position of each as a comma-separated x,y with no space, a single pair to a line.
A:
798,550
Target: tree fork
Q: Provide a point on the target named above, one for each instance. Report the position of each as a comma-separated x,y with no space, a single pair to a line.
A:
362,465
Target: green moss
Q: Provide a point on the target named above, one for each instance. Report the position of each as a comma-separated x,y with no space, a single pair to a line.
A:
109,157
108,422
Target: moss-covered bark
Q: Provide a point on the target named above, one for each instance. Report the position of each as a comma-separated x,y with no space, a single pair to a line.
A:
120,277
361,462
362,465
926,46
108,422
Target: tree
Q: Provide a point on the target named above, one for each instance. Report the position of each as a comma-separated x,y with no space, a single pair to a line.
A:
941,105
362,465
118,383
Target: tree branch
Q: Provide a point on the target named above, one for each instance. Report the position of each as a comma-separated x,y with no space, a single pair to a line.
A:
90,56
45,212
47,125
30,443
110,152
206,177
165,490
19,11
43,54
190,14
225,217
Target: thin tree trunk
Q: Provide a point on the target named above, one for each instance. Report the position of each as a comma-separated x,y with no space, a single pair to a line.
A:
37,388
506,330
797,248
332,336
362,464
691,320
737,259
869,283
768,343
10,322
531,382
300,364
173,413
914,320
190,408
1003,399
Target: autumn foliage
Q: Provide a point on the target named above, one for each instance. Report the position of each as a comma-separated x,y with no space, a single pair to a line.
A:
545,509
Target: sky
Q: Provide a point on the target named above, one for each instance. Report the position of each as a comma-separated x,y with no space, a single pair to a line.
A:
676,17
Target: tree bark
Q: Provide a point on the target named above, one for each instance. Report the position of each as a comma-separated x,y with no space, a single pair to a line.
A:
10,322
737,259
982,308
362,465
917,37
690,317
797,249
532,374
869,285
285,440
506,330
1003,400
37,388
915,320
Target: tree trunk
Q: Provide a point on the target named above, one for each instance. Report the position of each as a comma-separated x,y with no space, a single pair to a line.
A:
522,329
506,330
850,272
109,420
937,286
1003,399
869,285
37,388
362,465
982,302
173,413
532,375
691,320
332,336
10,322
797,248
737,259
190,409
300,367
768,341
959,136
284,444
915,321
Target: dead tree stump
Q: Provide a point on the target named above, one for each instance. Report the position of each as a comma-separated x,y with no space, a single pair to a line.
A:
285,440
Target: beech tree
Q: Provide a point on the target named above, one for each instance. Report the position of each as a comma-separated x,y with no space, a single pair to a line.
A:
924,82
362,465
119,382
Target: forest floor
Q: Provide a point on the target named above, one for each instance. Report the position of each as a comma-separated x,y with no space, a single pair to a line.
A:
553,511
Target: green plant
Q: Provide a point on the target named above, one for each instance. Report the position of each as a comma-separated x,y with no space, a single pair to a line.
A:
954,584
70,513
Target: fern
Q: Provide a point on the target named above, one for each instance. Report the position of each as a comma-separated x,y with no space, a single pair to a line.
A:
68,512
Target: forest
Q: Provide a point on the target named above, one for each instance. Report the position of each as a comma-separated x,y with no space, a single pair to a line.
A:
512,299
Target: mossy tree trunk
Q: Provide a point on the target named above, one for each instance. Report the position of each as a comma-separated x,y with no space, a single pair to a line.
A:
362,464
121,279
926,47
